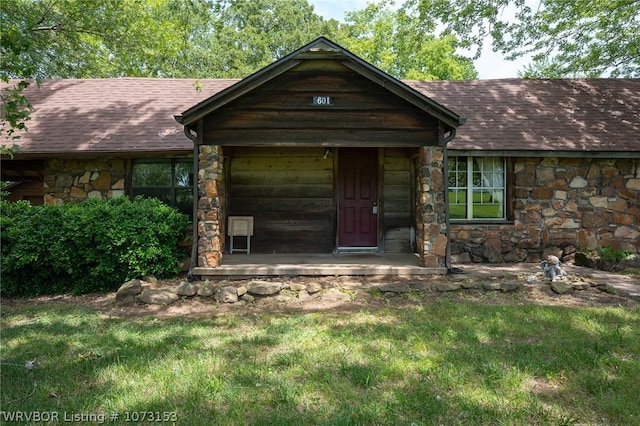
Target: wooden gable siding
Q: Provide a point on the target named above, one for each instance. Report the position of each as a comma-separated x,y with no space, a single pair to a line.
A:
281,113
289,192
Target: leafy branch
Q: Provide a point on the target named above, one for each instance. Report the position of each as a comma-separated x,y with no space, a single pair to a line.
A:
16,111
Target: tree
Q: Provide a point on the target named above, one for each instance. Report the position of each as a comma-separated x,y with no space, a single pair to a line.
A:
250,34
579,37
16,111
100,38
67,38
403,46
197,39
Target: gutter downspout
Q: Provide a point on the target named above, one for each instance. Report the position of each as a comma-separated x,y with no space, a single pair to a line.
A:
445,171
194,244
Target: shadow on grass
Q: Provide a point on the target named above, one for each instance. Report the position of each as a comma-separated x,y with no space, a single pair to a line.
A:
444,362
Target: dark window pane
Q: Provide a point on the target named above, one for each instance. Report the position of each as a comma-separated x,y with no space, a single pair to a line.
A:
184,200
152,174
184,174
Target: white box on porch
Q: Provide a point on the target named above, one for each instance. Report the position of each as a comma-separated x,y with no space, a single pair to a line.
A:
240,226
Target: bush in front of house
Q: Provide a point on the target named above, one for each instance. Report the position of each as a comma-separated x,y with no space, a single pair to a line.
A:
93,246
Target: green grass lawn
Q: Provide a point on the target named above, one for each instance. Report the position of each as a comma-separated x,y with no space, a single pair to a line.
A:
444,361
483,208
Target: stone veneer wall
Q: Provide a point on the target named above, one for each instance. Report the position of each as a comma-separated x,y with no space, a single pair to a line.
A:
430,215
561,205
211,202
67,181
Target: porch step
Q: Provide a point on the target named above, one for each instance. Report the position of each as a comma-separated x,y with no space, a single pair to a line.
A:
317,265
315,270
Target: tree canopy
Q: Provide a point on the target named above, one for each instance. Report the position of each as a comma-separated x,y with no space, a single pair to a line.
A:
400,44
204,38
194,39
589,38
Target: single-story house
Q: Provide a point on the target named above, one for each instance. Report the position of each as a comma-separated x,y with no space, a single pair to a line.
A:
328,154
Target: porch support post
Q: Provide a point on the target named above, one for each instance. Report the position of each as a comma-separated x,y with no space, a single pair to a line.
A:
431,223
211,202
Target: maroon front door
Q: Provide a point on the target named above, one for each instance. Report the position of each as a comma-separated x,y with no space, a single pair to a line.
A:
358,198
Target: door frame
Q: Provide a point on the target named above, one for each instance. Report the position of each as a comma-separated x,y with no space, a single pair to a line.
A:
336,201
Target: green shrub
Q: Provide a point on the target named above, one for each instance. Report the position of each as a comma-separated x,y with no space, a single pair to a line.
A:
610,254
92,246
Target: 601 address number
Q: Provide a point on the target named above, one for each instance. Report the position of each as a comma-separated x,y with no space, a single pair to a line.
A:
322,100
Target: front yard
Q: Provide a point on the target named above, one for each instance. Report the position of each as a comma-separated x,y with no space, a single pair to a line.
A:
420,358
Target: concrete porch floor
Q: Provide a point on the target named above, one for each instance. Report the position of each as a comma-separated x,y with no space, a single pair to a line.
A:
255,265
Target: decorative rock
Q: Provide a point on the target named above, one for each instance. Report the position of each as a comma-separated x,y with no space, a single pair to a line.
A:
314,287
150,279
561,287
129,290
303,295
448,286
158,297
248,298
605,265
584,259
395,287
420,285
264,288
241,291
333,295
284,297
297,287
471,285
492,286
510,286
226,295
187,289
325,285
581,285
206,289
629,262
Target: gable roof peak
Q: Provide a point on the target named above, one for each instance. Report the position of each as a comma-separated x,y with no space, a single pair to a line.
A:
322,44
322,48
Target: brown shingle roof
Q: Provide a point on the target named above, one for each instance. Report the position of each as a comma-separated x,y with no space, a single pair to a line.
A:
118,115
124,115
548,115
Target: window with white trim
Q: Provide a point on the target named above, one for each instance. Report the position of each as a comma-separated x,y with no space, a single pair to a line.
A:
477,188
169,180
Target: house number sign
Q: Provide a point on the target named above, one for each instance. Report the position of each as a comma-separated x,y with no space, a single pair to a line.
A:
322,100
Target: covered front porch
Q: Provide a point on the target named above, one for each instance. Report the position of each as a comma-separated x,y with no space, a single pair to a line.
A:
323,264
321,153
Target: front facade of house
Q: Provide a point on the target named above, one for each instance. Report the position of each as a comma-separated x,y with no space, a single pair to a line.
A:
328,154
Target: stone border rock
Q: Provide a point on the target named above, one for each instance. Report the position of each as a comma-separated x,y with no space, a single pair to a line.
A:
595,261
144,291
